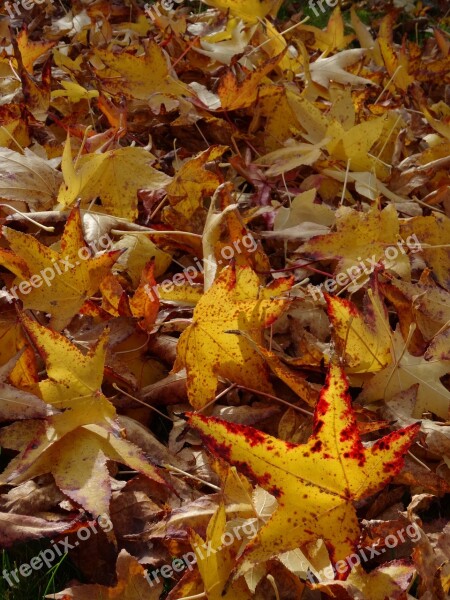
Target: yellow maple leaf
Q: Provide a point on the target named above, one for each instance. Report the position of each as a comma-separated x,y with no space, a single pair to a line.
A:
332,38
359,241
315,483
74,92
207,351
138,250
60,280
74,445
138,76
29,50
355,144
280,121
292,62
191,184
397,65
441,125
114,176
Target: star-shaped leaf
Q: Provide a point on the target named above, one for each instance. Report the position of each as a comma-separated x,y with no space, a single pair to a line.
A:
74,445
60,281
360,241
115,176
315,483
140,76
191,184
207,351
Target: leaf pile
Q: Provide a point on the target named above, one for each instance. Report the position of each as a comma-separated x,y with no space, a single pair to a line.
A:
225,284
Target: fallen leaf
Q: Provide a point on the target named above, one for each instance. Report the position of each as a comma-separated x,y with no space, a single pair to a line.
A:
65,290
325,70
115,176
347,472
18,404
192,183
363,342
391,581
215,560
235,93
138,77
74,445
20,528
406,370
28,178
207,351
251,11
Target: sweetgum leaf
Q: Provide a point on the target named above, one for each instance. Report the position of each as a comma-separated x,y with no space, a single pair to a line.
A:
315,483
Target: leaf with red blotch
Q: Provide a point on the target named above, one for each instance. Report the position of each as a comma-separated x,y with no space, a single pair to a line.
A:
315,483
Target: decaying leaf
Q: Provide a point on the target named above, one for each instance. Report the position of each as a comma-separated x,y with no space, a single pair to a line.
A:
18,404
28,178
18,528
